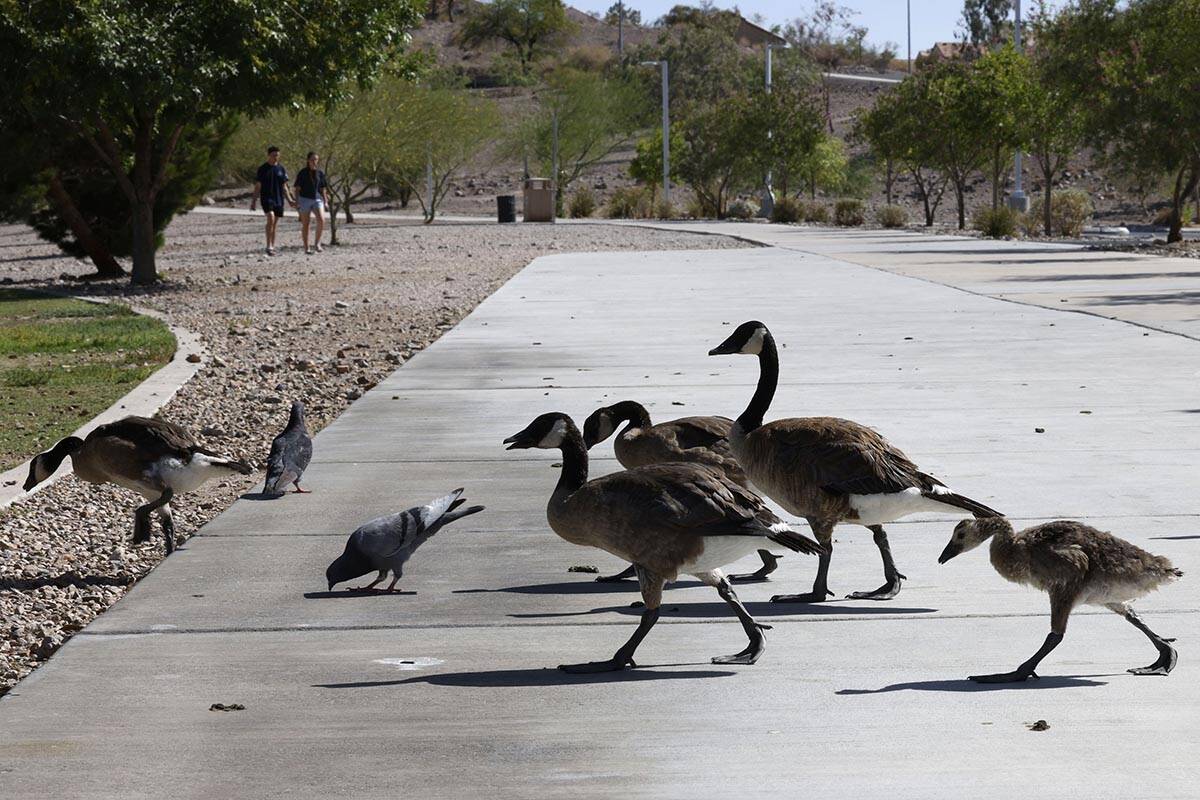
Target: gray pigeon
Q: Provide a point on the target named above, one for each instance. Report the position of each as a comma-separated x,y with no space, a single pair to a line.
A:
290,453
388,542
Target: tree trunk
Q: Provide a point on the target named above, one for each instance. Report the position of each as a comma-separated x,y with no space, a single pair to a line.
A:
996,168
889,180
106,265
405,195
333,223
1047,200
1178,199
349,216
961,198
144,270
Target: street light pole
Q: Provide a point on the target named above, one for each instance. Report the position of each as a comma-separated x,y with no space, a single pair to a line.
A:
1017,200
767,205
666,128
908,18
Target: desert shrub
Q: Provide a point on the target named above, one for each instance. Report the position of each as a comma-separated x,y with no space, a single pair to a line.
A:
582,203
664,210
588,58
996,223
1069,210
892,216
787,210
849,213
815,212
700,208
741,209
628,202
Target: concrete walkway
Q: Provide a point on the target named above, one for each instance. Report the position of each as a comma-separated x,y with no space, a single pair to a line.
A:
1150,290
451,692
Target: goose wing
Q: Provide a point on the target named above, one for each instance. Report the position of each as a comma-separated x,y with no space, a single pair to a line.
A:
840,456
682,498
152,439
706,432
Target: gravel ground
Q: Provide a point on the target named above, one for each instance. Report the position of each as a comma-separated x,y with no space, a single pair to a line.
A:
324,328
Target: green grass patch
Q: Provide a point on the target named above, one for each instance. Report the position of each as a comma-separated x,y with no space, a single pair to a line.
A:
63,361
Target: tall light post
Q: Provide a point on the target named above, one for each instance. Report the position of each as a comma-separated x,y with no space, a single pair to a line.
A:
620,26
908,19
1017,200
666,127
767,206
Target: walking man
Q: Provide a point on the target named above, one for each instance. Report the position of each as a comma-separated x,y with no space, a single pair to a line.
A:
270,186
314,199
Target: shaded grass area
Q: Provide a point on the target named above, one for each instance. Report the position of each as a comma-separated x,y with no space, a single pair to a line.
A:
63,361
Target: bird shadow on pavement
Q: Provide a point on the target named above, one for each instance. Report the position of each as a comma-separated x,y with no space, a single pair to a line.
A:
353,593
758,610
544,676
258,496
968,686
572,587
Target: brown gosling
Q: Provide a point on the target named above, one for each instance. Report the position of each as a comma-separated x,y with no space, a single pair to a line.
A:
155,458
829,470
695,440
665,519
1073,563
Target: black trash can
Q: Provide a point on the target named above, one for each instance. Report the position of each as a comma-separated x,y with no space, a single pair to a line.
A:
506,208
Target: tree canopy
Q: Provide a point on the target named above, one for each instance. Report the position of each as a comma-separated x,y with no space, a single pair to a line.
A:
130,79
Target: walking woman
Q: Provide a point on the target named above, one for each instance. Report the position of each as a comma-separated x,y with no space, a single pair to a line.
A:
313,192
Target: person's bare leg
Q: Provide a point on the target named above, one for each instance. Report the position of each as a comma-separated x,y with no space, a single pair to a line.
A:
270,229
320,227
304,229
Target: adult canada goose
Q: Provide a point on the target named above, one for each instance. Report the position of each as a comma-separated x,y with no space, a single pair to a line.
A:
1073,563
385,544
697,440
829,470
665,519
154,458
290,453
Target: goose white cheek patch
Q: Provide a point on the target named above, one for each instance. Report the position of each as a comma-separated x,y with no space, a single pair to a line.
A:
754,344
555,437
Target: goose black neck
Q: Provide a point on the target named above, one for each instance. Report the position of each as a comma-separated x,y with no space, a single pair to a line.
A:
630,411
768,380
64,448
575,462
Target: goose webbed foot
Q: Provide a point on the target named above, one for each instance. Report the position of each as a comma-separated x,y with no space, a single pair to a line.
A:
614,664
753,651
1167,659
885,592
807,597
1016,676
769,565
628,572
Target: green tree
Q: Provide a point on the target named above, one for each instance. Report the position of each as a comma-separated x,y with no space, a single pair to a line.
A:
594,114
428,134
529,26
955,132
715,158
825,167
987,22
1132,66
896,128
632,15
146,74
1002,86
791,114
647,164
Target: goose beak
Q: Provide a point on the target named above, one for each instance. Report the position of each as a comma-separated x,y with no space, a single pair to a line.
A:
952,549
519,441
725,348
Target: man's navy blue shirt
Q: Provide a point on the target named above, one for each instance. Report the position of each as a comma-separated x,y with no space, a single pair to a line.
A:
272,180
